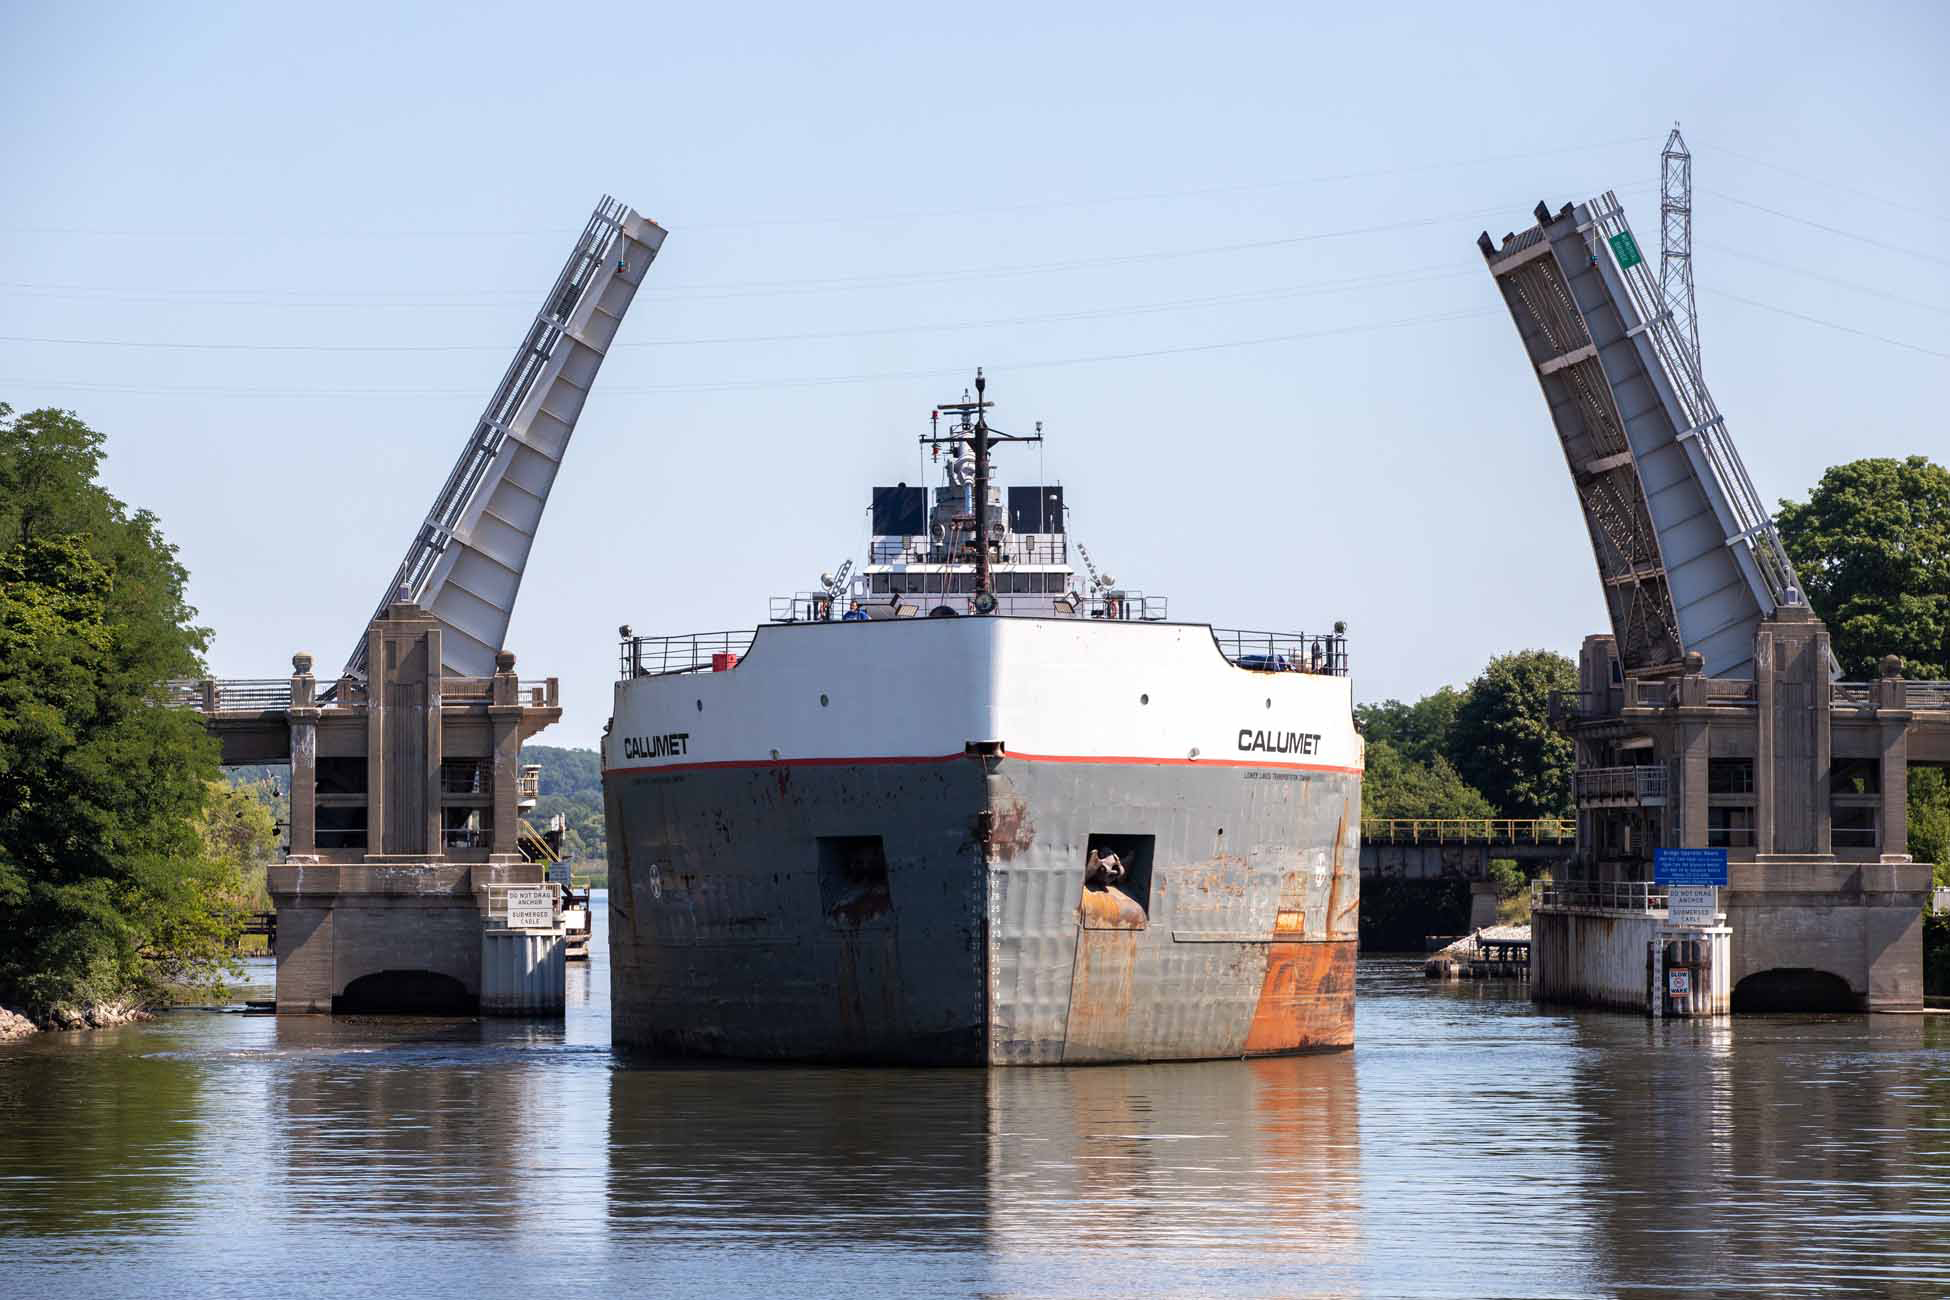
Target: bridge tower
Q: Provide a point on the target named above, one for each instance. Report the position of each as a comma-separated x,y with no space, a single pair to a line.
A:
1686,551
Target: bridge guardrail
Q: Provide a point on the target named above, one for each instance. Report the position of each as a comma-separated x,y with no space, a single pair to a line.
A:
1609,895
1643,784
213,693
1469,830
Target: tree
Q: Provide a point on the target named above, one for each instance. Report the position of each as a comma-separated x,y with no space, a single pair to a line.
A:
1929,819
1872,548
1420,731
1503,743
1395,786
572,785
105,888
239,829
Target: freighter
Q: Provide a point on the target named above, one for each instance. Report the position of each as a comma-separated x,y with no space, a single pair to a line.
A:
971,806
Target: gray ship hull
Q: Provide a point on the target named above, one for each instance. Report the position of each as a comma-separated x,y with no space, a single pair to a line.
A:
935,911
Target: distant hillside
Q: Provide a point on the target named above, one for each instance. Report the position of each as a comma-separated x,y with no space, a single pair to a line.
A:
572,784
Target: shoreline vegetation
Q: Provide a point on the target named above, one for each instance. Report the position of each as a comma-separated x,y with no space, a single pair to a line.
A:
129,862
123,854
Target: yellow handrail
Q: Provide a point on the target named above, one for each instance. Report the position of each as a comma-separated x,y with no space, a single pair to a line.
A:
1469,830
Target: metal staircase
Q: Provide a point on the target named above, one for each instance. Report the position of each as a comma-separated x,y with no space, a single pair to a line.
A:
1686,552
465,565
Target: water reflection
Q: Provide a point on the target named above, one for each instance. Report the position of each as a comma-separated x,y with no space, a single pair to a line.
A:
93,1142
1120,1176
1771,1154
411,1125
1123,1159
1472,1145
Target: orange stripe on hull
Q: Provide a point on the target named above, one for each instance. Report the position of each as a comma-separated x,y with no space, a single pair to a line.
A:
869,761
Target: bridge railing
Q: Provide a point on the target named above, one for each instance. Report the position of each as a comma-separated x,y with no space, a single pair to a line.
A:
212,693
1469,830
1644,784
1610,895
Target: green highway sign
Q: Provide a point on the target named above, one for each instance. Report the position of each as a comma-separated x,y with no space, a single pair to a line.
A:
1626,250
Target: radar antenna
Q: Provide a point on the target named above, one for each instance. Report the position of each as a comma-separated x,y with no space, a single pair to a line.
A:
975,430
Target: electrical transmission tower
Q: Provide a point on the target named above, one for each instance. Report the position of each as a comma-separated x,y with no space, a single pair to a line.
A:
1676,240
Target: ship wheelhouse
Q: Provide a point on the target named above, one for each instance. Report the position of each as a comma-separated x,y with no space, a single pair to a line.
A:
926,557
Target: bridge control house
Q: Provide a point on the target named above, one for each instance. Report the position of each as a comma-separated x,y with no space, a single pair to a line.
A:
1713,716
405,831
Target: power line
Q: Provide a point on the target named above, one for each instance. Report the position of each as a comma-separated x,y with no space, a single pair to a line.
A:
1829,324
1912,209
1198,192
871,218
909,279
1832,230
1386,280
1826,279
742,385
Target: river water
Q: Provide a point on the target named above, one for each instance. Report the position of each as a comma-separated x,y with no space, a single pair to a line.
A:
1470,1145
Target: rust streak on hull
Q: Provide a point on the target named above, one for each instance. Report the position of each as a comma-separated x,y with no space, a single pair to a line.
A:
1307,1001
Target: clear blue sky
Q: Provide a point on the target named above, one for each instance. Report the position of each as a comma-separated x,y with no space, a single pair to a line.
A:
904,193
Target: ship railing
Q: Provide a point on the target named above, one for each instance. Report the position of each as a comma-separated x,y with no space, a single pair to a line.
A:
658,656
935,582
1284,652
1016,548
807,607
1132,606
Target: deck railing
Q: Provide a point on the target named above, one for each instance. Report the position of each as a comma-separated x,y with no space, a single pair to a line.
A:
1645,784
1469,830
1610,895
241,693
1016,548
656,656
1271,652
1284,652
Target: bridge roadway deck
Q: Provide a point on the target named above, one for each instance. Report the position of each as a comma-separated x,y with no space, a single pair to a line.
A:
1450,848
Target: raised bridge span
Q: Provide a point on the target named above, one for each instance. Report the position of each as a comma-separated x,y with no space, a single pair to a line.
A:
1712,717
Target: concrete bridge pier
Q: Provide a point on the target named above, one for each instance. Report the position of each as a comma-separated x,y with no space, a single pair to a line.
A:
404,828
1801,779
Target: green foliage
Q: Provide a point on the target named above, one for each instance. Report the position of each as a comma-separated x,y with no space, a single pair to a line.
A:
1395,786
1936,955
572,785
105,888
1419,731
1929,819
1503,743
1507,876
239,828
1872,546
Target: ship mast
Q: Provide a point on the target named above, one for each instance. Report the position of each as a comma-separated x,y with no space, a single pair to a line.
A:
978,434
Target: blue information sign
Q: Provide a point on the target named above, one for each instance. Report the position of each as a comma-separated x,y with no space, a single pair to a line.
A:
1689,866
